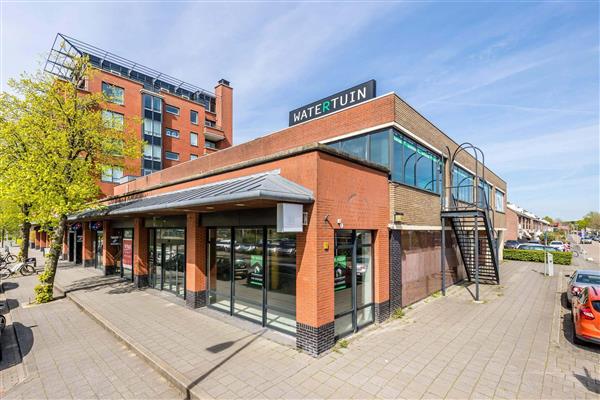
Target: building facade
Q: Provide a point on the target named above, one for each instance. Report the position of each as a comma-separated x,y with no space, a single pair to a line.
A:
523,225
177,121
316,230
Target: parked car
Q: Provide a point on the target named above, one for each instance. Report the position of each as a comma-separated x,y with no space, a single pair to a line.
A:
560,246
534,241
586,240
586,316
533,246
581,279
511,244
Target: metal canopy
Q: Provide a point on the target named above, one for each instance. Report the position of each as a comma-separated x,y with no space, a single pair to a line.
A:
264,186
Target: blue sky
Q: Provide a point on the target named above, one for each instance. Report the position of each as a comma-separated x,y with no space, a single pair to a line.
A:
519,79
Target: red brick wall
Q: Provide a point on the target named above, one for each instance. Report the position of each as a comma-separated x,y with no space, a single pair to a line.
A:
512,225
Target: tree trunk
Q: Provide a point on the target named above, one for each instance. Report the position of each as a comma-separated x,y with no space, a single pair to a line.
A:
24,249
52,256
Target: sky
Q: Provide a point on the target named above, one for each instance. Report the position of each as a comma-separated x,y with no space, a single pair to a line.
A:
519,79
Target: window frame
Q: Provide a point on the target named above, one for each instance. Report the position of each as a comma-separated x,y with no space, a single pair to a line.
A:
112,174
197,139
194,112
171,152
193,156
206,146
175,133
496,208
112,119
111,96
172,113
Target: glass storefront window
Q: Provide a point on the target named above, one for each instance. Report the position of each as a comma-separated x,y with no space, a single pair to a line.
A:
245,287
167,260
379,148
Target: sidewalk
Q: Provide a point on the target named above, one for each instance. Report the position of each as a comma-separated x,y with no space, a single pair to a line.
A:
513,345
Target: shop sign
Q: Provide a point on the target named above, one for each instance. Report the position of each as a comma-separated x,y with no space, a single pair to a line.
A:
339,273
115,240
127,253
339,101
96,226
256,266
76,226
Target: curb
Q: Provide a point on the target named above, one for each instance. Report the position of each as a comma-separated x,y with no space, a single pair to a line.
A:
170,374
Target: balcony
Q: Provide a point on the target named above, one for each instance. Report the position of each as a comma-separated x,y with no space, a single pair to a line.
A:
213,133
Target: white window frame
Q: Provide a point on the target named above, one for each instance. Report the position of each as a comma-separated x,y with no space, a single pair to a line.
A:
170,112
169,158
112,99
174,134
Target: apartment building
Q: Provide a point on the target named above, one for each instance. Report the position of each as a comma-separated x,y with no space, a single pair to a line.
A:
316,230
524,225
179,121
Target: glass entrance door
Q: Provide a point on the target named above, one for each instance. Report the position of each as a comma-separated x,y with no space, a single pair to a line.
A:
167,260
249,270
98,246
353,281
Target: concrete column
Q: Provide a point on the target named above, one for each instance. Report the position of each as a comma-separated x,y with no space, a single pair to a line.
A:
140,253
108,252
195,285
86,245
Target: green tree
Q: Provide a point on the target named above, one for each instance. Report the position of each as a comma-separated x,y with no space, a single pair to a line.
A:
593,220
70,142
548,219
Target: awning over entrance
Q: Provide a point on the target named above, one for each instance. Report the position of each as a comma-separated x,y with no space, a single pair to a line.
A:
265,186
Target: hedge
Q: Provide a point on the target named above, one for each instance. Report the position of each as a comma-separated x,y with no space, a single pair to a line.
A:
560,257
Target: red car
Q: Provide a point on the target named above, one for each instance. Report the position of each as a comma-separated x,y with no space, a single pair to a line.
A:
586,316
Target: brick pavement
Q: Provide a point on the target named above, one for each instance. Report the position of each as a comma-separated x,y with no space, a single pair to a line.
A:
67,355
514,345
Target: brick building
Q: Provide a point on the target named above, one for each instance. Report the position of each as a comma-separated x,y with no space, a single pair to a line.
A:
179,121
524,225
315,230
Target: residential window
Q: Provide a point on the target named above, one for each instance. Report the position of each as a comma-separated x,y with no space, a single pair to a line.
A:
113,93
499,203
113,120
194,117
193,156
172,133
112,174
462,185
172,109
152,152
210,123
169,155
209,144
152,128
194,139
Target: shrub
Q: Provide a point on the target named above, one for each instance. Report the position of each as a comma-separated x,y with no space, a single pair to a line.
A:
43,293
563,258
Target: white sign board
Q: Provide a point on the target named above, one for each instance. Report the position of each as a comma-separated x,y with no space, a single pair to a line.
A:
289,217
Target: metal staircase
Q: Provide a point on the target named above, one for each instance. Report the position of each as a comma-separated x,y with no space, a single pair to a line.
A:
471,223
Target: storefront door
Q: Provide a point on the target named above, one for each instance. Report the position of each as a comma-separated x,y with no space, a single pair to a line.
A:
239,283
98,247
167,260
353,281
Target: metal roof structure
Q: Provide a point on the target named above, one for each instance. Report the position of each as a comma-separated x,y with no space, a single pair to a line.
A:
65,48
264,186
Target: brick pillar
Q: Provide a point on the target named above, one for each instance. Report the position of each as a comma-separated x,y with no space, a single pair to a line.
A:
195,263
38,235
381,271
43,237
65,246
396,270
109,252
140,253
314,287
224,111
87,252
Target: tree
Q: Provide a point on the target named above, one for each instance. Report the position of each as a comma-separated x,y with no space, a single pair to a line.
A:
70,142
548,219
593,220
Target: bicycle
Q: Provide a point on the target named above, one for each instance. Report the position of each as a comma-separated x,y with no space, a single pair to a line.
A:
7,258
24,268
578,251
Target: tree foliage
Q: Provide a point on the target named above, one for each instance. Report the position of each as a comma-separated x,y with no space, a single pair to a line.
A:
55,141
